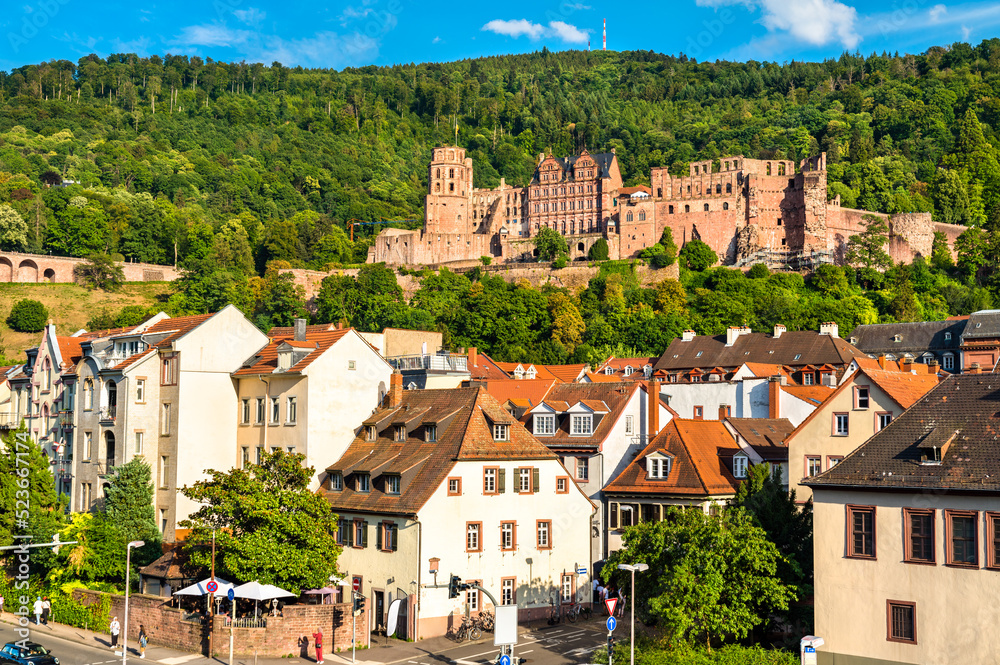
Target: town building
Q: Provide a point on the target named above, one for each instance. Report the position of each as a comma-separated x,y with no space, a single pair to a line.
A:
760,441
307,392
920,341
162,391
907,535
10,410
446,482
980,341
688,465
624,369
596,429
747,210
864,403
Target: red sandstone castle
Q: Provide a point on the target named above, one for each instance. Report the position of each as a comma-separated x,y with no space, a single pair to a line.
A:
748,211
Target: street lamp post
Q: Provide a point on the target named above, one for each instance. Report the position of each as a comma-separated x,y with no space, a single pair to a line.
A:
128,567
632,568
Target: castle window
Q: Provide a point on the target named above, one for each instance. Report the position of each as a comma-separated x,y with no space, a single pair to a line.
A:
659,192
689,189
642,215
458,218
779,221
670,209
451,173
687,208
563,191
451,187
769,168
781,169
725,206
718,189
727,166
729,188
706,207
628,217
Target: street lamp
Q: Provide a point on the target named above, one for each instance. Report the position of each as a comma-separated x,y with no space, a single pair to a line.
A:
631,568
128,568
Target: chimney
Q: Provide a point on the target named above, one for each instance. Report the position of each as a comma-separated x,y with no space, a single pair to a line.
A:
774,397
473,356
907,364
653,402
723,412
829,328
300,330
881,360
778,329
974,369
688,335
932,366
733,333
395,390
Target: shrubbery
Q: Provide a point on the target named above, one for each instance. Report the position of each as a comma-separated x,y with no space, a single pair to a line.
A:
28,316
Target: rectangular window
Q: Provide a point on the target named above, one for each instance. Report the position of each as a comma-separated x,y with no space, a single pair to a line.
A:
524,480
165,420
138,442
962,539
168,376
566,589
140,390
501,432
392,484
814,466
919,525
364,482
507,591
544,425
993,540
245,457
949,362
245,412
807,378
861,532
472,597
360,534
582,425
371,433
882,421
508,536
901,618
430,433
454,487
337,481
88,444
699,411
164,461
490,481
833,460
292,410
840,424
544,534
582,469
275,411
352,365
345,528
387,538
163,520
562,485
861,399
473,533
629,425
739,466
260,410
260,455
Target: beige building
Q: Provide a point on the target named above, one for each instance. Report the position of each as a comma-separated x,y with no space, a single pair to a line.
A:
162,391
447,481
307,392
865,402
10,416
907,536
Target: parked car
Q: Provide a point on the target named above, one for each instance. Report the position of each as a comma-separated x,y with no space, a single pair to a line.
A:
26,653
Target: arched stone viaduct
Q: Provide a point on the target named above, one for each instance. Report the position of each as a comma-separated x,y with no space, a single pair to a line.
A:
29,268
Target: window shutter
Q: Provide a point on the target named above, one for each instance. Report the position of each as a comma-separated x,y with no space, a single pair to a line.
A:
378,536
613,515
364,534
501,481
535,479
394,532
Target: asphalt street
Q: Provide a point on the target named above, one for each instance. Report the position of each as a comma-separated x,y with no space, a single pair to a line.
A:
68,653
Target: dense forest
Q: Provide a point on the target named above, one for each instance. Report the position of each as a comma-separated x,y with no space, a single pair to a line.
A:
228,168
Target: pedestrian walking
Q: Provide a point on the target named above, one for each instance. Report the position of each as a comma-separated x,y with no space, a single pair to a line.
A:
1,603
318,643
46,610
36,608
621,604
143,639
114,629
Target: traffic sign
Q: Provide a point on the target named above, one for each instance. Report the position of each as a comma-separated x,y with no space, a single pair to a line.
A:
581,571
611,603
356,583
611,624
230,594
505,660
212,586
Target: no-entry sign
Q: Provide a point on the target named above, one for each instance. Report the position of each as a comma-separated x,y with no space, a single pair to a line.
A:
356,584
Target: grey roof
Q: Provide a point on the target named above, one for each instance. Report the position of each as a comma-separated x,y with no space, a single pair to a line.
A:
961,415
913,337
985,323
793,348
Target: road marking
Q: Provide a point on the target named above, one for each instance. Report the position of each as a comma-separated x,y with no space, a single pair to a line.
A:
528,651
179,659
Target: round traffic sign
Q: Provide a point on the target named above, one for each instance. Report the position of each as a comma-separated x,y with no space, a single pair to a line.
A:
505,660
356,584
212,586
230,594
611,624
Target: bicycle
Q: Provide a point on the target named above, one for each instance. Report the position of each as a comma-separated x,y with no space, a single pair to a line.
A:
468,630
486,621
555,613
578,611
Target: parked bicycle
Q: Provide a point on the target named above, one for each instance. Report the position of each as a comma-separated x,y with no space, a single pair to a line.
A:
486,621
468,630
555,612
578,611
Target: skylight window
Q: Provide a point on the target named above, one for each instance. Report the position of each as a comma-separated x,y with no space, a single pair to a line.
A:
797,356
698,355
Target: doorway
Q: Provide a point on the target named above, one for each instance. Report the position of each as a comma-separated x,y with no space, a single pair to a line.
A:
378,620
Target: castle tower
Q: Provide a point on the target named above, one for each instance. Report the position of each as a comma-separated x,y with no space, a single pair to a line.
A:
449,192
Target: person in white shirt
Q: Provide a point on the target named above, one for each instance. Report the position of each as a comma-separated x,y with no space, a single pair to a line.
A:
37,609
114,629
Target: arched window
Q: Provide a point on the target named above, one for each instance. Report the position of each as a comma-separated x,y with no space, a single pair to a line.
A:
109,451
47,376
706,207
458,218
729,188
437,188
88,394
437,173
769,168
725,205
687,208
628,216
642,215
781,169
718,189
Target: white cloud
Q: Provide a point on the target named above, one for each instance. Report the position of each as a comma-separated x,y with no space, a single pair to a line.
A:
436,40
251,16
815,22
355,12
577,7
965,33
215,34
936,12
524,28
323,49
139,46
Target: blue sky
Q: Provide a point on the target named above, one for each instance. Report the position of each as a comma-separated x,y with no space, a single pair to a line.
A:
382,32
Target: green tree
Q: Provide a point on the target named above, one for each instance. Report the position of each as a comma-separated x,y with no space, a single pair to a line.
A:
710,578
100,271
940,252
269,526
698,256
550,244
671,298
972,247
28,316
867,249
13,229
598,251
758,271
128,504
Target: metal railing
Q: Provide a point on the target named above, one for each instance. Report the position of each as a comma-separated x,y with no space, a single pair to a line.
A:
105,467
787,258
246,622
109,413
9,420
440,362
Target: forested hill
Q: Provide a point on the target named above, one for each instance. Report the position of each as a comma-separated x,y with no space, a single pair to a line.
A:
245,163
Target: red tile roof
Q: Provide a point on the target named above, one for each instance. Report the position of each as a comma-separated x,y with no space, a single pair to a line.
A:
701,450
904,388
815,395
613,396
317,337
486,369
765,435
533,390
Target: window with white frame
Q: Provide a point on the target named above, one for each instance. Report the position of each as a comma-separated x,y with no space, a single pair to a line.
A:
364,482
392,484
292,410
567,588
582,425
507,535
245,411
658,468
260,410
582,468
739,466
430,433
371,432
275,410
501,432
472,599
948,362
861,397
88,445
807,378
337,481
140,390
138,442
544,424
524,480
841,424
883,421
489,481
629,425
544,530
507,591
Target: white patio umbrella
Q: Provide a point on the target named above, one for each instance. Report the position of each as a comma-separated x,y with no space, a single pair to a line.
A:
256,591
201,588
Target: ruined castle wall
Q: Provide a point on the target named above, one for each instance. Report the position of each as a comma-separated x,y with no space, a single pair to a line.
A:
717,227
951,232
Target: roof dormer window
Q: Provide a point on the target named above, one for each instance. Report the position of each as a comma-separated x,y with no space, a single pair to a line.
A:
371,433
399,433
363,482
391,484
501,432
582,424
897,338
740,466
657,468
609,370
628,370
947,337
336,481
531,373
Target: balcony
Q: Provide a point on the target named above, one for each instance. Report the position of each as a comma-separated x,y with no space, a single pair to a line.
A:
8,421
65,419
105,467
440,362
108,414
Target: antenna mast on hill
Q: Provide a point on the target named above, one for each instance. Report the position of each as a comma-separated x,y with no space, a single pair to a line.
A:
605,35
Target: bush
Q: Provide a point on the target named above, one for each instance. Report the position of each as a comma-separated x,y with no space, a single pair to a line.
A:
758,271
486,260
560,262
100,271
698,256
28,316
599,251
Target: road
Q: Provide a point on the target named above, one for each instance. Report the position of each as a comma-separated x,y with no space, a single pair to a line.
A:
68,653
561,644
